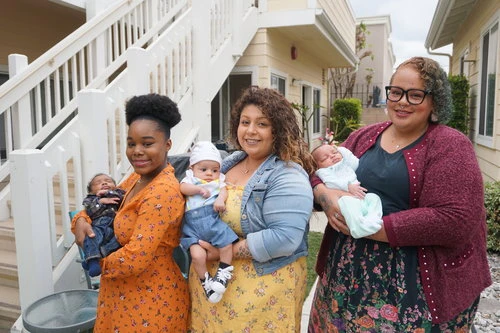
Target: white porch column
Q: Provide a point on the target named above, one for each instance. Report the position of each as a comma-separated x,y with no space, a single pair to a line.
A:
21,111
32,230
93,133
201,66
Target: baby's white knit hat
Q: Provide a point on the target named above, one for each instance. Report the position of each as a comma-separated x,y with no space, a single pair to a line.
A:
204,150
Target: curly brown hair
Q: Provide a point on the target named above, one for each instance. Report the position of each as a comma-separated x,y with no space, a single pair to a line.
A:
288,143
436,81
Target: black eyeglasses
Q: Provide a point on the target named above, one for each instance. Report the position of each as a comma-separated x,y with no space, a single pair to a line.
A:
413,96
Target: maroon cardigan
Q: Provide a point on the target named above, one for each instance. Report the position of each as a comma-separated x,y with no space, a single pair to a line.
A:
446,219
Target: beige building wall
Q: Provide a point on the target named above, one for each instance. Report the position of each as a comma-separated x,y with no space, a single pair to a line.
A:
343,18
279,5
383,59
31,27
270,51
468,44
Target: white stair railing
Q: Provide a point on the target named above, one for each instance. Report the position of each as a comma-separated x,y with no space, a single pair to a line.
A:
35,103
94,140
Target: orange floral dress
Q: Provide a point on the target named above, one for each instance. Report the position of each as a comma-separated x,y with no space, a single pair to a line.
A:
142,288
251,303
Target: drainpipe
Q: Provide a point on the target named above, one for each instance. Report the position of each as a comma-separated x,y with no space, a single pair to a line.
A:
442,54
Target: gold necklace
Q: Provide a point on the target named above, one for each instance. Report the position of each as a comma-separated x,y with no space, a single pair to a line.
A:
406,142
246,170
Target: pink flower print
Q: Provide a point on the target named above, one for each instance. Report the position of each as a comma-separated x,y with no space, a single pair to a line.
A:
389,312
282,316
260,291
373,312
269,326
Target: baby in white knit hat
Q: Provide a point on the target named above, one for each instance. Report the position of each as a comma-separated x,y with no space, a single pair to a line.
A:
206,194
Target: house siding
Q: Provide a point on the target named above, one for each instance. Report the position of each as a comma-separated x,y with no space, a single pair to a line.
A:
343,19
279,5
469,37
270,51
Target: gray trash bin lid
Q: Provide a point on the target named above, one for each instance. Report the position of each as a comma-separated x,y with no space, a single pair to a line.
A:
65,311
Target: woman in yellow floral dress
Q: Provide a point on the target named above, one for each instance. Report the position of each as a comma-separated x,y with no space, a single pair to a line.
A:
142,289
269,205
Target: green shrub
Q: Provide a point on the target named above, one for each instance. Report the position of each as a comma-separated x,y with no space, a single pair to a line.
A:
492,203
345,117
460,94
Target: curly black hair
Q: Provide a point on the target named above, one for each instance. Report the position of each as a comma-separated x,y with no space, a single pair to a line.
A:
158,108
288,143
436,81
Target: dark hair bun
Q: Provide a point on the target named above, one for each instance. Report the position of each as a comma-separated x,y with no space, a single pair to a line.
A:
153,106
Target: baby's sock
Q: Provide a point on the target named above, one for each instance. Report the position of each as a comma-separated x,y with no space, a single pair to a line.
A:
223,265
94,267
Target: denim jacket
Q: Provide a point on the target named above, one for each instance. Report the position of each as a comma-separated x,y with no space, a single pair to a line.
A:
275,210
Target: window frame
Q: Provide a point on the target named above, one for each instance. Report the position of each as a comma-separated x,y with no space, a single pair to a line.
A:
486,65
280,76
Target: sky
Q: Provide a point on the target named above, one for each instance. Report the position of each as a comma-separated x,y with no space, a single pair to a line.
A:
410,22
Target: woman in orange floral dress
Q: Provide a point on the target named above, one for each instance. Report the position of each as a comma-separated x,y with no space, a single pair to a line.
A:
142,289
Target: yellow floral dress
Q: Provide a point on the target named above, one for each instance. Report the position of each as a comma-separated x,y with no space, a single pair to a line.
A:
251,303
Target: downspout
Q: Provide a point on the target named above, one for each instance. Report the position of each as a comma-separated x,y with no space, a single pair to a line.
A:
442,54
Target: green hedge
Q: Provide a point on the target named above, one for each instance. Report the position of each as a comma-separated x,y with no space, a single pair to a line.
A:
460,94
492,203
345,117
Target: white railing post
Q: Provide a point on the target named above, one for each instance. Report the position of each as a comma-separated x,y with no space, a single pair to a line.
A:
21,111
92,111
201,66
100,50
139,71
237,17
155,11
32,230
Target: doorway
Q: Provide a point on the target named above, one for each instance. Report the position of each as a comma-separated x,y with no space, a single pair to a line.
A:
223,102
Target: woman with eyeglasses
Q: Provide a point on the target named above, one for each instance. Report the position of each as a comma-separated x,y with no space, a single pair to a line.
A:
426,267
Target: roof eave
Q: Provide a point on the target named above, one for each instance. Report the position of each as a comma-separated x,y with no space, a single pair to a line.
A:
336,52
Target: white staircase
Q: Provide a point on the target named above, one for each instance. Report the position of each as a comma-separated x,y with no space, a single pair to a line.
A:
64,121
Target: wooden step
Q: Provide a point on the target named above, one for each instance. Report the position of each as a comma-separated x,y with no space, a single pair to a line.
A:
8,269
10,308
7,241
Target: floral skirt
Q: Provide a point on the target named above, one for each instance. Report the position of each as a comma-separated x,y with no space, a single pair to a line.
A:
370,287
